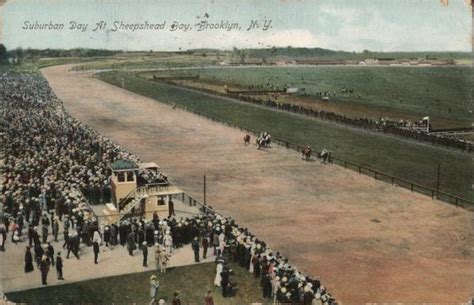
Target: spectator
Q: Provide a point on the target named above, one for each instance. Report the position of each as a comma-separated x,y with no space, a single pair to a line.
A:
154,289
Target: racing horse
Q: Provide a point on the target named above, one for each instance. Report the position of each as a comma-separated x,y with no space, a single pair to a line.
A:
247,139
324,156
264,140
306,153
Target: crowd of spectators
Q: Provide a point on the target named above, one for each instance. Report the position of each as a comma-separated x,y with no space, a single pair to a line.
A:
47,153
51,159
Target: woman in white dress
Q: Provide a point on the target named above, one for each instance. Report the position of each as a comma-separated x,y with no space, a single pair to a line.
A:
168,242
164,257
217,279
252,261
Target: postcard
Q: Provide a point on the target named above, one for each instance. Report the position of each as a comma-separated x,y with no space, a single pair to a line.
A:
236,152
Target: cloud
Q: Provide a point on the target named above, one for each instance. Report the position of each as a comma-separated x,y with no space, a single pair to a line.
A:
356,29
339,25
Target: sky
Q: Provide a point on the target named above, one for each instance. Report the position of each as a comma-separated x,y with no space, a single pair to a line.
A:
349,25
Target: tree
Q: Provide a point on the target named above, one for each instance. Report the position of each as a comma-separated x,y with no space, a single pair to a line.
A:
366,53
3,55
242,54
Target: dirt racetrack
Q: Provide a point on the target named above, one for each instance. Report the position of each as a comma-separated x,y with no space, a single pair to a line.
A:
367,240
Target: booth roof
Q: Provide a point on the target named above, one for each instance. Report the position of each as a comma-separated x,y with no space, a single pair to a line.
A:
123,164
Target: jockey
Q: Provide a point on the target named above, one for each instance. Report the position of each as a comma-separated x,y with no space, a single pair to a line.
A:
267,139
324,155
306,153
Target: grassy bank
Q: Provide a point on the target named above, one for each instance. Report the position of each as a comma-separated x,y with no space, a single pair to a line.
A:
408,160
192,283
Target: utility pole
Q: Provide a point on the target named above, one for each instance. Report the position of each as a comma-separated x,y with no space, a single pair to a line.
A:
204,189
437,182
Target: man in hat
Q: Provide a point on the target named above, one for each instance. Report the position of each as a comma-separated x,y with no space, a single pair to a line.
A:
195,246
107,235
95,246
66,237
145,253
171,208
205,245
55,227
59,266
50,253
73,245
131,243
44,232
31,234
44,268
28,260
225,281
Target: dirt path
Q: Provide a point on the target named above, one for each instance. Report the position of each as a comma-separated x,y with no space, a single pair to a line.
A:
367,240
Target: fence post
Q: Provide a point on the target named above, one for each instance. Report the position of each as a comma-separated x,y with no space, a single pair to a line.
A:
437,182
182,197
375,176
360,170
392,180
411,186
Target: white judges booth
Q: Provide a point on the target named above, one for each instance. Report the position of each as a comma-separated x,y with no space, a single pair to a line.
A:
138,189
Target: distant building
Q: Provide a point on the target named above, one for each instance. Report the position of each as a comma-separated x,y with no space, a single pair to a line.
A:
247,61
371,61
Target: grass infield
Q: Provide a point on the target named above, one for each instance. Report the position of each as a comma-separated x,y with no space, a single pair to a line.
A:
192,283
443,93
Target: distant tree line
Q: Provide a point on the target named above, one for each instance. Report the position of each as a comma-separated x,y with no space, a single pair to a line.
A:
20,54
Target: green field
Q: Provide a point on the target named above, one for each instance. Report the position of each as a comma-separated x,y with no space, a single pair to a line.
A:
153,61
191,282
443,93
405,159
36,64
